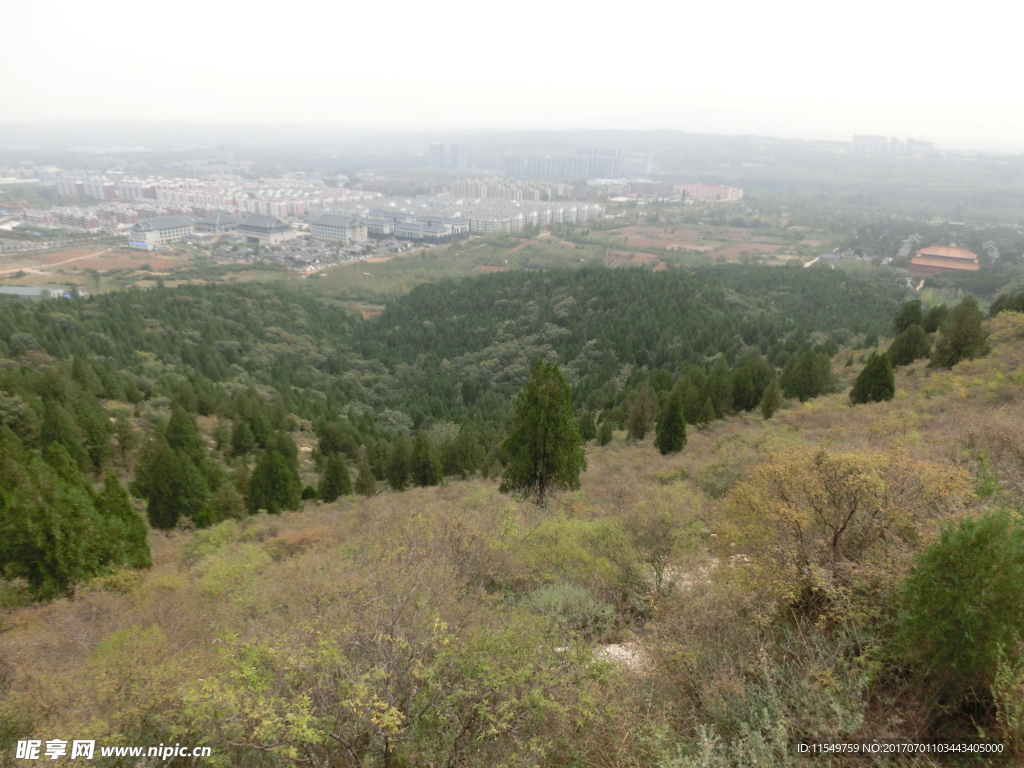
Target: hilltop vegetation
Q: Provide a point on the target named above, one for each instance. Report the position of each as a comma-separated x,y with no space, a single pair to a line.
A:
454,625
739,567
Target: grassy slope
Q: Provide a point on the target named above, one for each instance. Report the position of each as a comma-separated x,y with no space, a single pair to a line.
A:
274,579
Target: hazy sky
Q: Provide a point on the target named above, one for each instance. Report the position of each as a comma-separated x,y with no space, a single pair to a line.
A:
949,73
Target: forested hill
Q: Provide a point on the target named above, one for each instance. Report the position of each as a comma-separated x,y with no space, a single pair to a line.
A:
614,317
446,351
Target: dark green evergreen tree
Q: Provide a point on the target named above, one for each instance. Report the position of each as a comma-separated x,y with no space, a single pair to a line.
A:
771,400
706,415
671,427
183,435
335,480
719,389
366,483
59,427
962,335
605,433
876,382
934,317
50,532
424,467
588,429
242,440
909,314
156,480
544,448
809,376
126,532
274,486
909,345
641,412
398,463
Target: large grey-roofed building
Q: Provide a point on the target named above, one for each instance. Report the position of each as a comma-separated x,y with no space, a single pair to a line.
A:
218,223
264,230
166,229
338,229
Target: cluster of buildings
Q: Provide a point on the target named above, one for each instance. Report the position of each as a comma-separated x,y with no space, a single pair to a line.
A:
203,197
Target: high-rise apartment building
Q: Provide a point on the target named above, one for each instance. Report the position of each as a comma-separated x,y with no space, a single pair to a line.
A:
456,159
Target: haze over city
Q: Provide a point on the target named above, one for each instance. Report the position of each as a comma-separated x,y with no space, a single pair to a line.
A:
792,70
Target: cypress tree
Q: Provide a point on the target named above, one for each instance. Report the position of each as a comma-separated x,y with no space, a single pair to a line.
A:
366,483
424,468
808,377
720,390
183,435
126,531
910,314
706,415
59,427
335,480
909,345
671,427
398,463
156,480
771,400
875,383
588,430
273,485
605,433
50,532
544,448
934,318
641,412
961,336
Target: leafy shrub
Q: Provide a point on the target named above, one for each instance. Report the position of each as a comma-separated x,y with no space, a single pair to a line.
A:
962,602
574,607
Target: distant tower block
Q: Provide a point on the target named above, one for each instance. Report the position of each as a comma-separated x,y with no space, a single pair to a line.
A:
457,159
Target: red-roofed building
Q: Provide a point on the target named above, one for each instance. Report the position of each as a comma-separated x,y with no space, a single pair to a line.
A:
943,258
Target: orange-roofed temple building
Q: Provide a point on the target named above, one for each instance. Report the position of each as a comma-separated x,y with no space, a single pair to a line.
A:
943,258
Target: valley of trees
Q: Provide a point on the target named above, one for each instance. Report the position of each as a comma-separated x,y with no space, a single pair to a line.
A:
728,517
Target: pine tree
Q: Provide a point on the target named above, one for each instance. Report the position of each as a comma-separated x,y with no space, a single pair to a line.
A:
961,336
605,433
720,390
59,427
156,480
424,467
125,530
183,435
909,345
706,415
50,532
771,400
242,440
809,376
366,483
588,430
671,427
544,448
935,317
335,480
398,463
274,486
910,314
642,409
875,383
